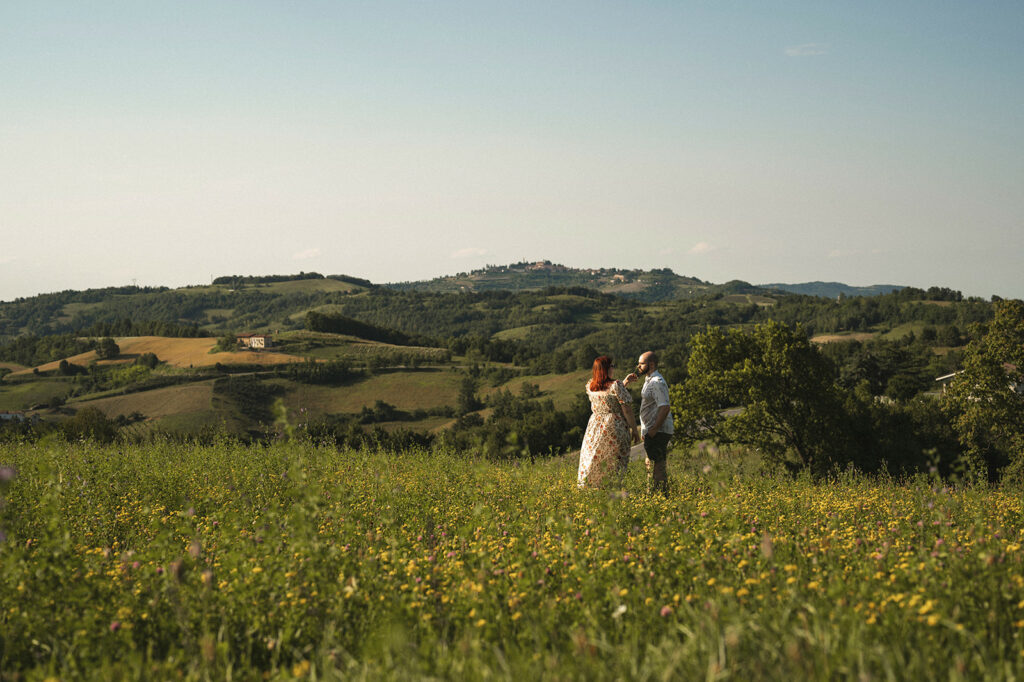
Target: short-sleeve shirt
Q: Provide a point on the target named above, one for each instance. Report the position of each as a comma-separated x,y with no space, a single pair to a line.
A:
653,395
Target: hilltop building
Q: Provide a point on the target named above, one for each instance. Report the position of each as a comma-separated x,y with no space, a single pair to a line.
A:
254,341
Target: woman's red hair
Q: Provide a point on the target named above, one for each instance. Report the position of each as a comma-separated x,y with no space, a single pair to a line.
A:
602,366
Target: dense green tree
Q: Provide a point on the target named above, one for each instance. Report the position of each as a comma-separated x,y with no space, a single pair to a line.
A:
227,343
769,389
107,349
89,424
467,400
149,360
985,400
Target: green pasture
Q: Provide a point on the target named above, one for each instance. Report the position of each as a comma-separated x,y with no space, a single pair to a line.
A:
326,309
191,423
432,424
405,389
21,395
562,389
515,333
325,346
900,331
763,301
185,399
69,310
307,286
289,561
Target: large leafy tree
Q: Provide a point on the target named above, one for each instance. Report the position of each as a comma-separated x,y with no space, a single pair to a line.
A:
107,348
769,389
984,400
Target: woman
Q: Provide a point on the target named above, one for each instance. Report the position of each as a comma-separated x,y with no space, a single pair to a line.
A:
605,450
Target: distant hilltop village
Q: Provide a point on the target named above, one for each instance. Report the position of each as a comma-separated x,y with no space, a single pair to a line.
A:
599,276
522,266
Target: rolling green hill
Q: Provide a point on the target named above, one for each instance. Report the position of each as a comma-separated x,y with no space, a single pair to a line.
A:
833,289
647,285
474,353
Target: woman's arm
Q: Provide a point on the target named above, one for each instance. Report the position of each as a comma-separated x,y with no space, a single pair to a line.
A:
627,410
624,398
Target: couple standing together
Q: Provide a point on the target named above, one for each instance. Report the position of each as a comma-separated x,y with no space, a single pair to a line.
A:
612,426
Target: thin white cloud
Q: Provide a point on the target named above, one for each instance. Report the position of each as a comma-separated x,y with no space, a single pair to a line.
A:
5,260
469,252
835,253
806,50
701,248
307,254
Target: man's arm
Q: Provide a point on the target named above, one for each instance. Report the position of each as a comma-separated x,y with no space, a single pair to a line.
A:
659,419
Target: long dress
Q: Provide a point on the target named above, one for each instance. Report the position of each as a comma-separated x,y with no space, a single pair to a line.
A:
605,451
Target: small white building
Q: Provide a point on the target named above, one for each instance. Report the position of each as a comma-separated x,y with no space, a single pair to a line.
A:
254,341
945,379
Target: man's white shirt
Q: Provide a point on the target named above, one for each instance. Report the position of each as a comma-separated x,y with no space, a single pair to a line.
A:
654,395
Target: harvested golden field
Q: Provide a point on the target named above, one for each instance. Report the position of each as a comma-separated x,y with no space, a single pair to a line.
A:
13,366
177,353
80,359
162,402
839,338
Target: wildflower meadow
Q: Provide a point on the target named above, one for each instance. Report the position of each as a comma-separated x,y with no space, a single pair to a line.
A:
171,561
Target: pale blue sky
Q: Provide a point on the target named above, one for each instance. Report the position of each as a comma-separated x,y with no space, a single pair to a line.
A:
866,142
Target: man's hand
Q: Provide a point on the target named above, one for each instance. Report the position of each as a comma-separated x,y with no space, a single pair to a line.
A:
659,419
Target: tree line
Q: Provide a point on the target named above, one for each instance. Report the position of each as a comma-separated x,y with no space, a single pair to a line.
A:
770,389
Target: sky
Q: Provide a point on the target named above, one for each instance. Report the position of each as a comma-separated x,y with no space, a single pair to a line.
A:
165,143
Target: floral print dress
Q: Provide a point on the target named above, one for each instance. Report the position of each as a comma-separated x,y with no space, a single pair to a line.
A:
605,451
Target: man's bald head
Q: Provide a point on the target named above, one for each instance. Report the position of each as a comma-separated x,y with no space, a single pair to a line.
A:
649,360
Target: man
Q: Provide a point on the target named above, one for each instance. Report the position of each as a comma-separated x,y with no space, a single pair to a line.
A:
655,420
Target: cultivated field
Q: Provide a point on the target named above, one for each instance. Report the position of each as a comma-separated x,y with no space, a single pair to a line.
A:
161,402
175,352
291,561
902,330
406,390
24,394
846,336
763,301
563,389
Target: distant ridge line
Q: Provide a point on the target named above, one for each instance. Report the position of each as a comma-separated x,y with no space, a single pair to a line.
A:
833,289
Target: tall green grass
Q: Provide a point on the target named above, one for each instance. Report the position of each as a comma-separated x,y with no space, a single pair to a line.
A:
143,562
